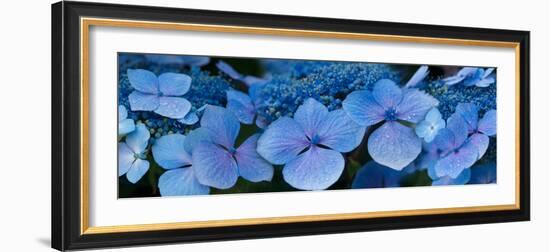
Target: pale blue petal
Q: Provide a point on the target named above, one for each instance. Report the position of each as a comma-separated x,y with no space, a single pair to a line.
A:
339,132
229,70
174,84
363,109
181,182
394,145
484,174
488,124
222,124
310,116
459,127
481,142
462,179
282,141
195,60
453,80
445,140
456,161
122,113
143,80
387,93
126,126
143,102
173,107
485,82
418,76
138,139
138,169
374,175
241,106
253,80
251,165
415,105
214,166
315,169
169,151
434,116
423,129
488,72
469,112
189,119
125,158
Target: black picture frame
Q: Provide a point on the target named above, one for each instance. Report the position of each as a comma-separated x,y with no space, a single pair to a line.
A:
66,114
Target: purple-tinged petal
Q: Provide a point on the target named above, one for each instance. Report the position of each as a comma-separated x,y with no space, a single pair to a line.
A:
488,124
484,174
253,80
251,165
462,179
122,113
261,122
387,93
415,105
169,152
214,166
418,76
181,182
315,169
138,169
480,141
445,140
374,175
241,106
126,126
339,132
143,81
310,116
174,84
363,109
143,102
459,127
456,161
138,139
195,137
125,158
222,124
229,70
394,145
282,141
469,112
173,107
189,119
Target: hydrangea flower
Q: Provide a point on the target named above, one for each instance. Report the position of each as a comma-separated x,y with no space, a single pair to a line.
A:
249,80
159,94
173,153
374,175
472,76
192,61
132,154
244,106
310,145
393,144
479,129
216,161
484,173
432,123
125,124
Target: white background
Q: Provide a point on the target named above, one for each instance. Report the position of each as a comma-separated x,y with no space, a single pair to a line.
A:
25,125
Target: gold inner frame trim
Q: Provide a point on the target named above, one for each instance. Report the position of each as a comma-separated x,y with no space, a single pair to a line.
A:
86,23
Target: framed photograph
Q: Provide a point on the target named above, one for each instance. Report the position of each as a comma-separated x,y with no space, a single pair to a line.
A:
178,125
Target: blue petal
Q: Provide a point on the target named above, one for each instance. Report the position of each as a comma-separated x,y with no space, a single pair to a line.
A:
444,140
222,124
126,126
423,129
481,142
189,119
169,152
453,80
434,116
488,72
253,80
418,76
374,175
310,116
261,122
282,141
229,70
143,80
459,127
462,179
339,132
181,182
484,174
173,107
125,158
315,169
122,113
138,169
241,106
143,102
363,109
214,166
251,165
488,124
469,112
394,145
138,139
486,82
195,137
174,84
456,161
387,93
195,60
415,105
